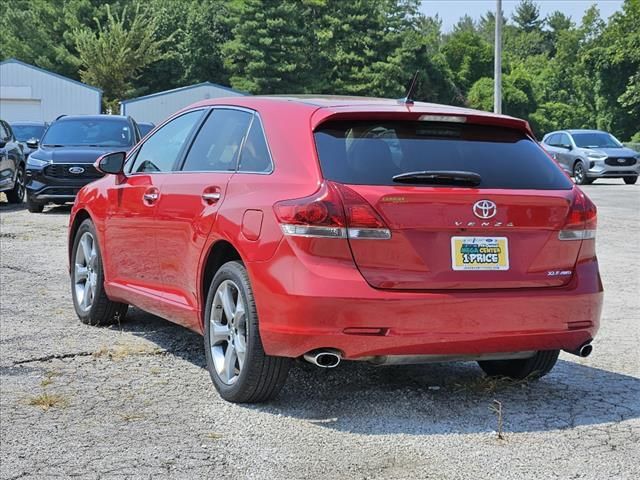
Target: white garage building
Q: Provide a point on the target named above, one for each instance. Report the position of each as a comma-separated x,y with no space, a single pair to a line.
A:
156,107
29,93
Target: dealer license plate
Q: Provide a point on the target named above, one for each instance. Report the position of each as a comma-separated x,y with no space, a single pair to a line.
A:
479,253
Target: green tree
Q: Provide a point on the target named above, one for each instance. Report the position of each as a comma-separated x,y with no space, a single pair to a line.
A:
469,56
527,16
113,55
517,95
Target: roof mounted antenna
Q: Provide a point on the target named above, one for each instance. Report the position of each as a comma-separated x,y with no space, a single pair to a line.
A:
408,98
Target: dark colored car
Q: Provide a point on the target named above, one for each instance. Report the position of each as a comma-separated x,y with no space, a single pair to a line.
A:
145,127
341,228
29,134
12,162
63,163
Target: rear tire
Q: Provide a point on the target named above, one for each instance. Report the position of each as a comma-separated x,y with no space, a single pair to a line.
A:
531,368
239,368
580,174
16,194
90,301
630,180
34,207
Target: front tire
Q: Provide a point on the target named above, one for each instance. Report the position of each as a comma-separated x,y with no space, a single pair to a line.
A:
90,301
34,207
16,194
580,174
531,368
239,368
630,180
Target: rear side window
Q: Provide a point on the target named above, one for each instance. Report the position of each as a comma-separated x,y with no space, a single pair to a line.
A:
255,156
218,142
371,153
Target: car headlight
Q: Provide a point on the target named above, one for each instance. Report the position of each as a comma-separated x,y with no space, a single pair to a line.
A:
36,162
596,155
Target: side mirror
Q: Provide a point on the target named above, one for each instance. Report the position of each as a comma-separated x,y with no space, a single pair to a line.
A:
112,163
33,143
567,146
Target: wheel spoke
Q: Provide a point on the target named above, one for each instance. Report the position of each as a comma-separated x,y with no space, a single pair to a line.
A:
229,367
86,244
238,314
219,333
241,349
82,273
85,295
228,305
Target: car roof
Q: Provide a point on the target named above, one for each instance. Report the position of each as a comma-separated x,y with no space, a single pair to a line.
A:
584,130
336,104
35,124
107,118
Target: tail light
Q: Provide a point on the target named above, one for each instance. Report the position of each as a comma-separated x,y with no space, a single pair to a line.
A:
581,220
334,211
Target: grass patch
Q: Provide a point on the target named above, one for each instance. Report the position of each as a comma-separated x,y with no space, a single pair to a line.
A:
48,400
122,351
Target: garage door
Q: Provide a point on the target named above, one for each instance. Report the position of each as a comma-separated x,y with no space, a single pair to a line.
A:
23,109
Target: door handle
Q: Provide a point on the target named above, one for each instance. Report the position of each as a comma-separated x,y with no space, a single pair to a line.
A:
151,196
211,195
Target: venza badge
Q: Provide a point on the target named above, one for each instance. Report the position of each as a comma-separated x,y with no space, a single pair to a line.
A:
485,209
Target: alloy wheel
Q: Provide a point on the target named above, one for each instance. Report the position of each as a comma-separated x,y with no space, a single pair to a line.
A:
578,173
85,276
20,185
228,332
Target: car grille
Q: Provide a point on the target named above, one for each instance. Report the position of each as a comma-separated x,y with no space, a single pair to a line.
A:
69,192
620,162
62,171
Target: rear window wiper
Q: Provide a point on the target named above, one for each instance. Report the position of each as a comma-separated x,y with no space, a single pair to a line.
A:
440,177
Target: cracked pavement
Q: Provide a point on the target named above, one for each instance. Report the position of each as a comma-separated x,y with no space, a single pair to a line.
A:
135,402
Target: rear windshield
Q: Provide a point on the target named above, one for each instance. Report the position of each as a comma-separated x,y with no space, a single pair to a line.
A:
371,153
27,132
89,132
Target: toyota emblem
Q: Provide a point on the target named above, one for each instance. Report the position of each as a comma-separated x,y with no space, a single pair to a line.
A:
485,209
76,170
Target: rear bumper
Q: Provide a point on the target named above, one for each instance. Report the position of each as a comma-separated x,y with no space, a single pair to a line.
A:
327,306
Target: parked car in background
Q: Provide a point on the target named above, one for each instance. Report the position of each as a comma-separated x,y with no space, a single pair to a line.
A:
587,155
29,134
145,127
341,228
12,165
63,162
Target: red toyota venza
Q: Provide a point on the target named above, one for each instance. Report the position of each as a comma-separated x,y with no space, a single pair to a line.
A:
331,228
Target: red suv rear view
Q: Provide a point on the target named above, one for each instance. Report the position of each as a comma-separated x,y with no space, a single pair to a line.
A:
341,228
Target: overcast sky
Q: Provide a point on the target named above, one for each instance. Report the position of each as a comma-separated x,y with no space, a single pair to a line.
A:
451,10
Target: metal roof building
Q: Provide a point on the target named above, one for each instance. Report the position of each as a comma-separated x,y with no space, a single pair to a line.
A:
156,107
31,93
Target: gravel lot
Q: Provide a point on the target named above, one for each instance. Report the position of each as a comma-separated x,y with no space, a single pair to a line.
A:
137,402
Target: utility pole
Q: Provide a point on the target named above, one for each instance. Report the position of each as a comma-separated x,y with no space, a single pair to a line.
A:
497,64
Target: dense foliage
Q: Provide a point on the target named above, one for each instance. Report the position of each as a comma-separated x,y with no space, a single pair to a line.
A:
557,73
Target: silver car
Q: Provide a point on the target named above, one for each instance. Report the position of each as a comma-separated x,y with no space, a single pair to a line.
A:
587,155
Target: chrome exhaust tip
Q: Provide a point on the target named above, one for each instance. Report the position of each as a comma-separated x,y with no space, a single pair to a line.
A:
583,350
324,358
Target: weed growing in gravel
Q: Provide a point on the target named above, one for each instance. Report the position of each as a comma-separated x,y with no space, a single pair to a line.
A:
47,400
490,385
48,378
122,351
496,407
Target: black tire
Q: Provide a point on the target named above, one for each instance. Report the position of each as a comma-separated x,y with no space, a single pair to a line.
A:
531,368
34,207
16,194
580,174
102,311
262,376
630,180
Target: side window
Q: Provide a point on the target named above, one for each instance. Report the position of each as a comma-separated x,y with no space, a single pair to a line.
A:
564,140
160,152
4,135
553,139
218,142
255,155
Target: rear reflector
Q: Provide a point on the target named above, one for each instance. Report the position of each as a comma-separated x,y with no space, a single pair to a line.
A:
334,211
581,220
